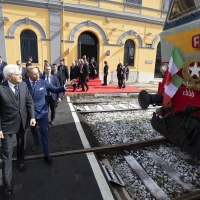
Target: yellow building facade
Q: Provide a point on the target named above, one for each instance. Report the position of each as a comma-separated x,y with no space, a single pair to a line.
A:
117,31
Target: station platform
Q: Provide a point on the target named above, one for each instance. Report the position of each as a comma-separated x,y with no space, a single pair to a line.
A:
95,86
72,177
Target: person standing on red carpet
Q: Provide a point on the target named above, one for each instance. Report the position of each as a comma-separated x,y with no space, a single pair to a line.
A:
74,73
84,73
105,71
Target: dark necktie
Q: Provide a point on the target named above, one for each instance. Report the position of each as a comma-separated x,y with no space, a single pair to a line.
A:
33,85
16,90
48,80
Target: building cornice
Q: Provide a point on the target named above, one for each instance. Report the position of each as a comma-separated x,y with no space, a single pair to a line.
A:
112,14
85,9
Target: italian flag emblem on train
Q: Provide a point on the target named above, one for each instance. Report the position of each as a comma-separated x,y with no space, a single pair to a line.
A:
173,81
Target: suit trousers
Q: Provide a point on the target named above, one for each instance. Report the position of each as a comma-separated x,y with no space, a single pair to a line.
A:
83,81
52,105
7,151
105,79
120,81
43,126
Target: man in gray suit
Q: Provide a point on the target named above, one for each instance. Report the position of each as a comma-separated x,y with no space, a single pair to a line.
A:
16,105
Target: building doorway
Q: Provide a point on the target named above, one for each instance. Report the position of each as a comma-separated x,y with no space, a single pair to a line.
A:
88,45
157,73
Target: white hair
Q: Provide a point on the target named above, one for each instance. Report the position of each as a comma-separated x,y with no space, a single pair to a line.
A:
10,69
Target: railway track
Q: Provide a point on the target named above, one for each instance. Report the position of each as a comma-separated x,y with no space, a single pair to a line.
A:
150,186
150,176
86,107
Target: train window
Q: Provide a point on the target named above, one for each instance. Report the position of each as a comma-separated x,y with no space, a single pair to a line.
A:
183,7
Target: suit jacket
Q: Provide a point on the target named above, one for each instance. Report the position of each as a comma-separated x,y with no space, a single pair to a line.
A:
54,81
28,64
64,72
12,113
74,72
58,74
1,74
105,70
23,73
85,70
39,93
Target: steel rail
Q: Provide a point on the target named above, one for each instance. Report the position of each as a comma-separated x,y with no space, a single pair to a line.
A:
113,110
111,149
190,196
110,101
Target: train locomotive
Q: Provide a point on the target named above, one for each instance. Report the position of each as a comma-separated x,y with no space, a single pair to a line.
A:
178,117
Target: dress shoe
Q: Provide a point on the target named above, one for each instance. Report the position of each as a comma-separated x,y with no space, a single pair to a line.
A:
51,122
48,159
8,192
35,146
82,90
74,89
21,167
87,89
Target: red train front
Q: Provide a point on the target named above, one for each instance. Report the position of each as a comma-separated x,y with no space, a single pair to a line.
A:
178,117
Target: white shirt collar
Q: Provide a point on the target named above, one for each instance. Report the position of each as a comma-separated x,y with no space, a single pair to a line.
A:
32,81
11,85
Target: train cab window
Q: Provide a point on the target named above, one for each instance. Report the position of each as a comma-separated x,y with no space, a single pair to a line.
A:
183,7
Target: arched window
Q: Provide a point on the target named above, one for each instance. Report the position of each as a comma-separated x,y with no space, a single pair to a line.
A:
157,73
29,46
129,52
88,38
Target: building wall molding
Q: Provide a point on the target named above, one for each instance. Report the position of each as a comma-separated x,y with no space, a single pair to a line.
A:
155,40
91,10
90,24
2,40
117,45
55,35
112,14
18,23
67,41
131,33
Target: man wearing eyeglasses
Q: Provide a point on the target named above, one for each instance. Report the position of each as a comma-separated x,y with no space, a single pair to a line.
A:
21,69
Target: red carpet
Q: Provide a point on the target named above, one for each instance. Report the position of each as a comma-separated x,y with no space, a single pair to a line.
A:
96,87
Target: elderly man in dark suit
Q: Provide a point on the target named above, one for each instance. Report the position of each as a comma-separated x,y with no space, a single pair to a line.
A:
52,99
16,105
2,65
74,74
64,73
38,89
83,73
21,69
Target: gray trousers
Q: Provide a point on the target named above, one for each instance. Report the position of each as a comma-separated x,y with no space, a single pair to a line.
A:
7,152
